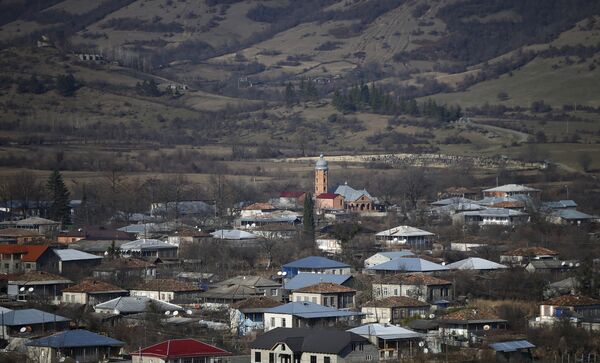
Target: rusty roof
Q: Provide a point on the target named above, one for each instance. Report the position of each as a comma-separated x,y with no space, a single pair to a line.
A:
531,251
124,263
166,285
325,287
471,313
19,232
259,206
396,302
414,279
256,303
35,276
91,286
571,300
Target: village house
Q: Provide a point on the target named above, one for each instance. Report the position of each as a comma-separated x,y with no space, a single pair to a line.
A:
124,269
418,286
20,236
463,327
280,217
149,248
187,236
394,310
570,217
91,292
168,290
406,265
393,342
381,257
24,258
406,235
326,294
316,264
256,209
240,288
305,279
307,314
510,190
548,266
522,256
329,244
569,306
180,350
491,217
79,345
36,322
42,226
249,315
475,264
94,234
36,285
233,235
183,208
74,262
127,305
311,346
290,200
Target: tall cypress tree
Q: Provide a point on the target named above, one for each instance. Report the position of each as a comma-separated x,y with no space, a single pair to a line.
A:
308,219
60,198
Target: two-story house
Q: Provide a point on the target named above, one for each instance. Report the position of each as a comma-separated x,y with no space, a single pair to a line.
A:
326,294
394,310
418,286
168,290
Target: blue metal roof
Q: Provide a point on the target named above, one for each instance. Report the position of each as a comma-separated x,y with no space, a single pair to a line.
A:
74,339
409,264
30,316
396,254
308,279
310,310
511,346
315,262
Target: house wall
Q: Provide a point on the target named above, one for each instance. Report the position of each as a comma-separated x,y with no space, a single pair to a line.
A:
362,353
273,321
420,292
338,301
74,297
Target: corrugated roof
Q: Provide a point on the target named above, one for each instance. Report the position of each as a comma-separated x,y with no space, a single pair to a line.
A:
475,263
31,253
408,264
166,285
511,346
404,231
324,287
145,244
454,200
31,316
246,280
69,254
315,262
233,234
495,212
395,302
395,254
309,310
573,214
414,279
91,286
386,332
306,279
350,194
136,304
180,348
75,339
511,188
308,340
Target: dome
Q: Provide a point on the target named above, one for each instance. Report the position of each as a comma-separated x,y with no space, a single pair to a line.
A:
321,164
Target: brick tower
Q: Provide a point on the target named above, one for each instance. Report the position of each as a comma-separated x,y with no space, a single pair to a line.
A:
321,170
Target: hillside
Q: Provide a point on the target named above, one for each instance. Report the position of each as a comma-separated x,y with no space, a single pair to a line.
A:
281,78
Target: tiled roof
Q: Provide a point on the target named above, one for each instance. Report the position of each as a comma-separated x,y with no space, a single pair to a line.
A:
31,253
125,263
18,232
395,302
531,251
414,279
176,348
91,286
166,285
470,313
36,276
571,300
259,206
256,302
325,287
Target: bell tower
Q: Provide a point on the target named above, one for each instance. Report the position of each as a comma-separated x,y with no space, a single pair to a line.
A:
321,169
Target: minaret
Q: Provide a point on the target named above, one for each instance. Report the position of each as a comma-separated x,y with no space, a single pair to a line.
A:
321,169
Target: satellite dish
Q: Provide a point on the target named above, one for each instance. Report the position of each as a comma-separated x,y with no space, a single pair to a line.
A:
23,329
189,312
167,312
425,350
284,273
486,327
563,263
116,312
22,289
444,263
431,316
105,253
577,264
571,264
421,344
175,313
279,273
30,289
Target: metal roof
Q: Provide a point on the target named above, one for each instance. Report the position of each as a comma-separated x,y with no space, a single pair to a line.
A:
495,212
404,231
69,254
475,263
573,214
315,262
308,340
321,163
386,332
560,204
455,200
310,310
395,254
511,346
408,264
31,316
234,234
350,194
75,339
512,188
307,279
135,304
146,244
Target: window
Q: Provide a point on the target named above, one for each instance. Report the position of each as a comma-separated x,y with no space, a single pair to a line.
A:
314,300
273,322
369,357
273,292
271,357
326,360
283,322
257,357
385,291
313,359
298,298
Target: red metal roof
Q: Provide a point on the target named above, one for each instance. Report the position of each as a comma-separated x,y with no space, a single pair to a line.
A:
327,196
31,253
180,348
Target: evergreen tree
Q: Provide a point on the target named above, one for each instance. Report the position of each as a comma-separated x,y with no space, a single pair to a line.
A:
308,219
60,197
66,85
290,94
